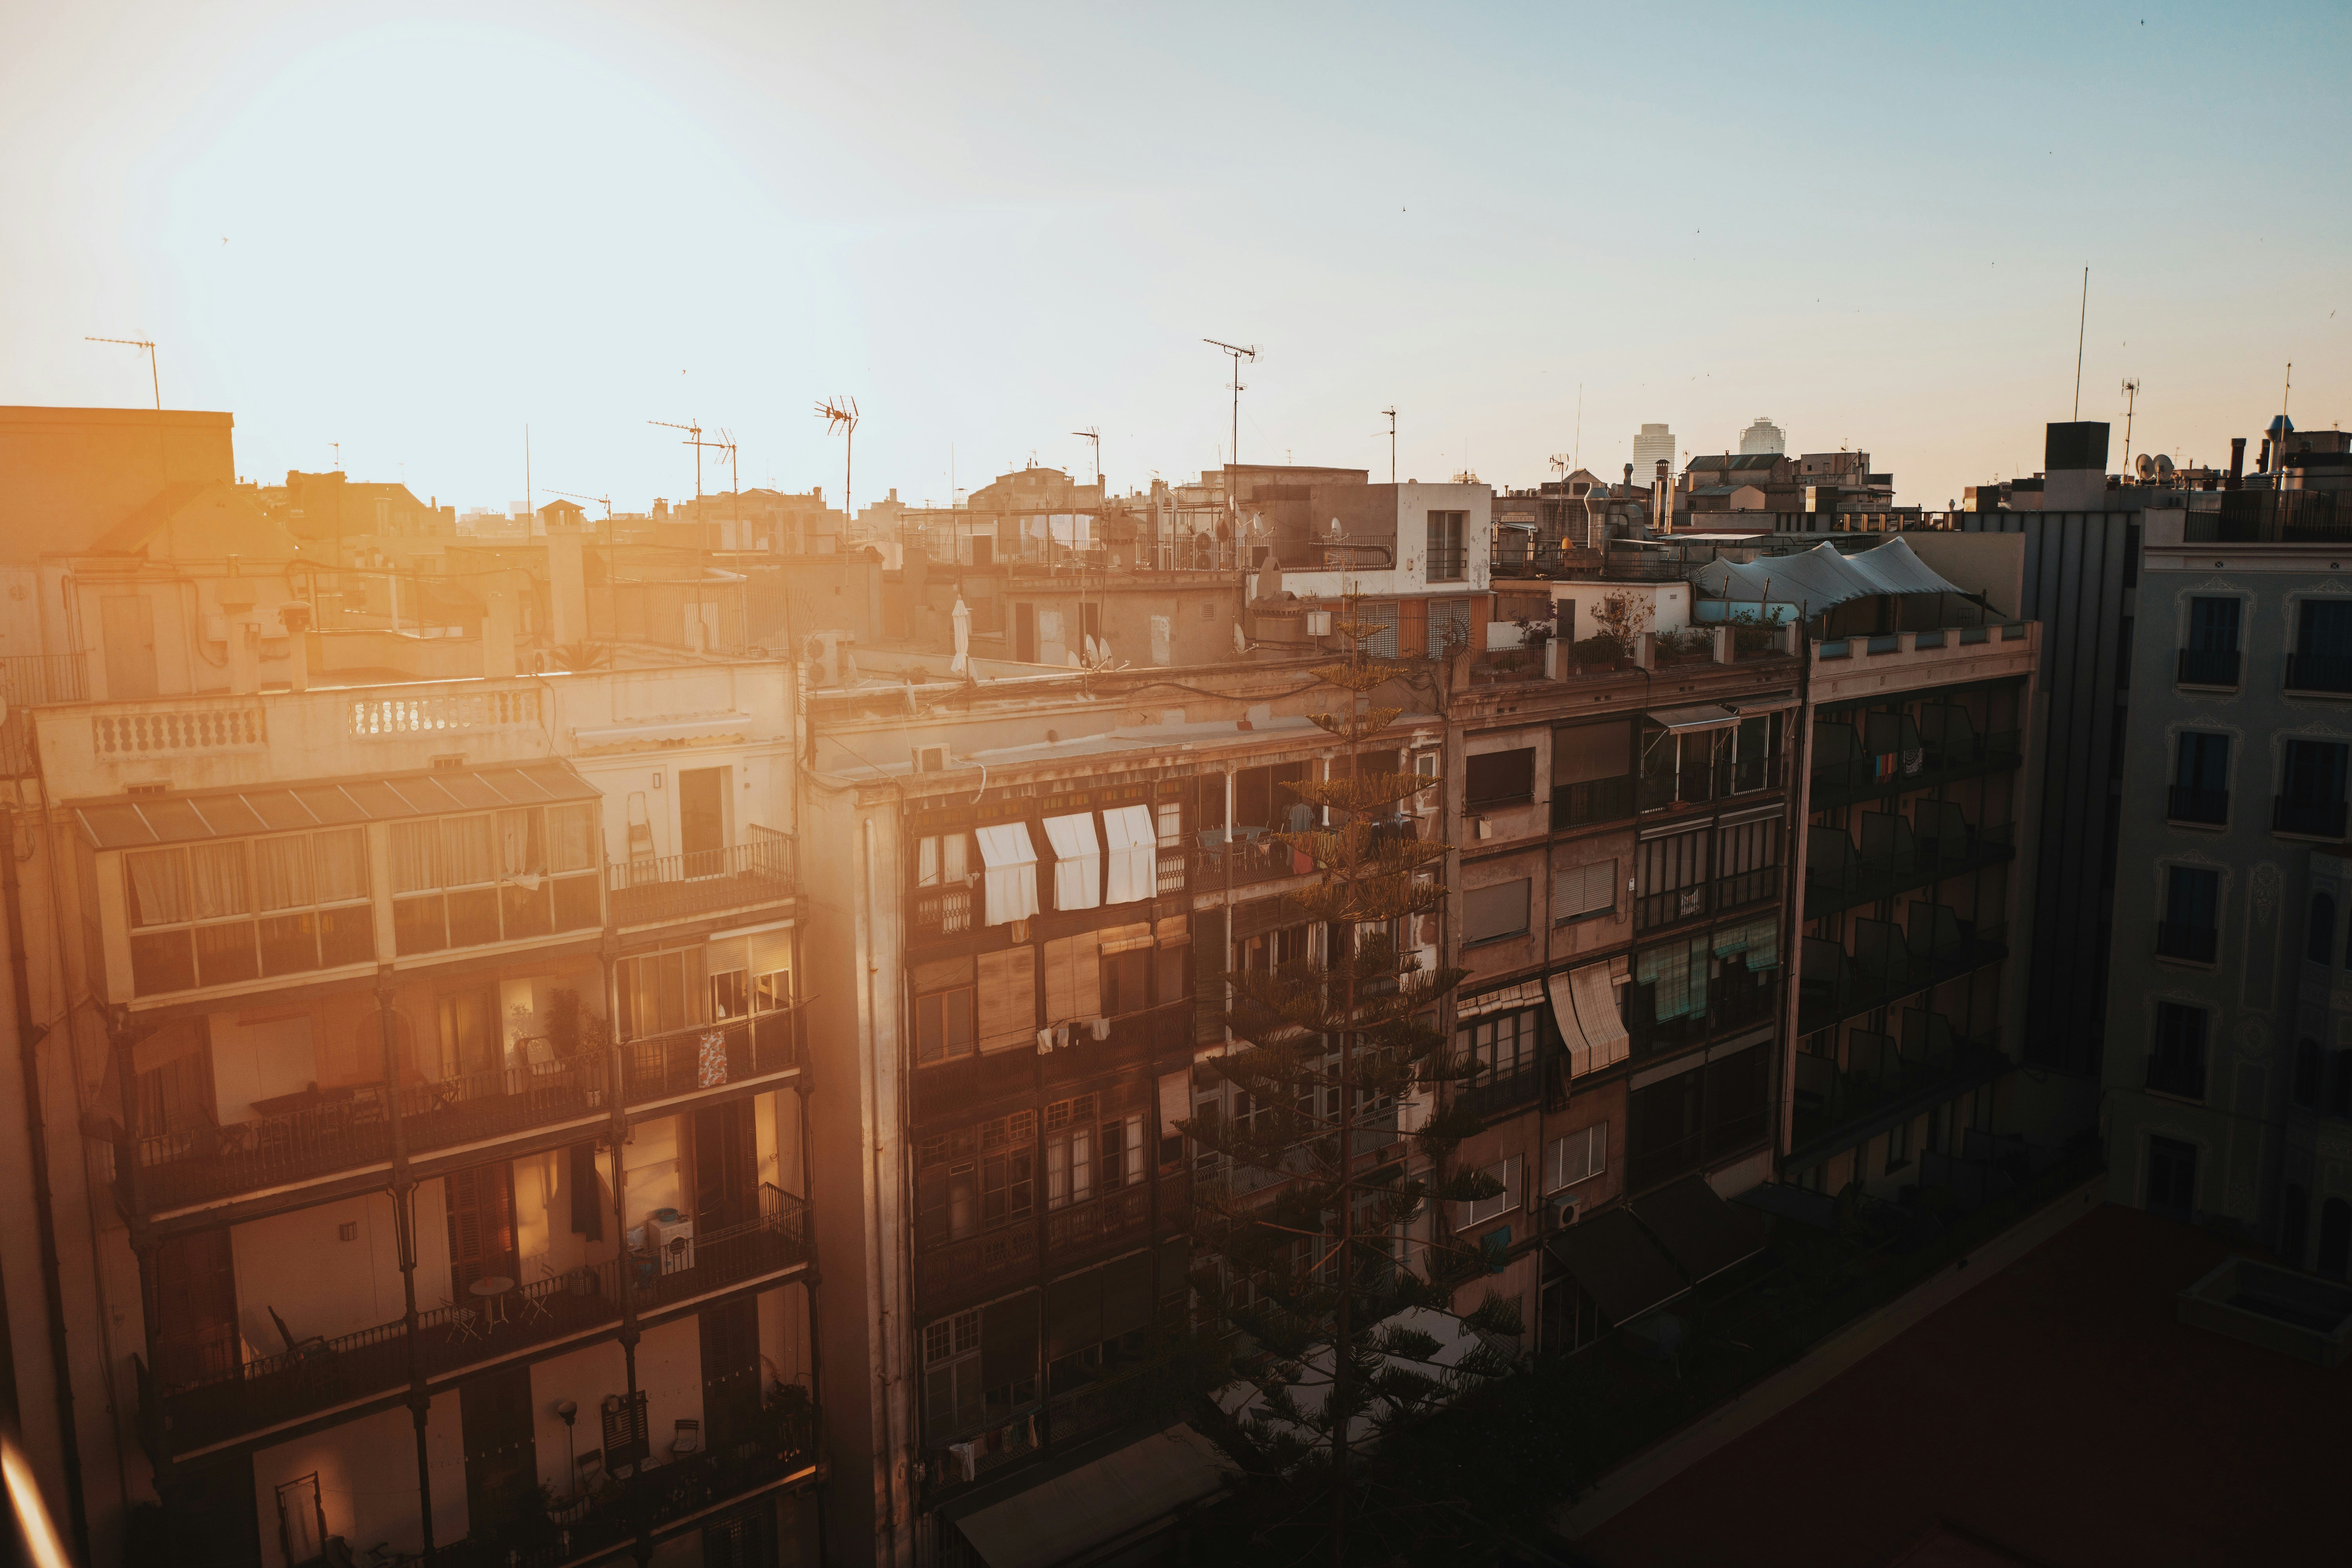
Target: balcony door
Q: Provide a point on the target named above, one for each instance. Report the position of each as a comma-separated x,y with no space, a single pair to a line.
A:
702,819
725,1167
730,1373
128,621
481,1228
494,1412
194,1296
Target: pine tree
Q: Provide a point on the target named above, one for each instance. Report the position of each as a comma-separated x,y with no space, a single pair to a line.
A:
1299,1247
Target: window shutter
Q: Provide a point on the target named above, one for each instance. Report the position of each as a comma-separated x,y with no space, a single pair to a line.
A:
1008,999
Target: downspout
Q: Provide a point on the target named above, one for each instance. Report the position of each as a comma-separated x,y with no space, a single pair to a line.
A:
404,1229
36,1141
878,1185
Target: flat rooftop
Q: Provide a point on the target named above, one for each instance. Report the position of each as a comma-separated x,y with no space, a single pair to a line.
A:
2059,1414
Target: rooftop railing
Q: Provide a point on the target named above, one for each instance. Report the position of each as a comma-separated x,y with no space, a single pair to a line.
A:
708,881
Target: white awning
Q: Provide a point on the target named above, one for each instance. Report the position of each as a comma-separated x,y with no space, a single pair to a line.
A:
1012,877
1077,861
1689,720
1102,1504
1584,1005
1134,863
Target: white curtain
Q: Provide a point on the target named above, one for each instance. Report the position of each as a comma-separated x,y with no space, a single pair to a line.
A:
571,837
469,849
415,857
339,868
1012,861
1134,859
1078,865
522,849
217,871
281,869
159,887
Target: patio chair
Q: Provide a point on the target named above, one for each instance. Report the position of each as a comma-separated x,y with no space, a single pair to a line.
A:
464,1322
687,1439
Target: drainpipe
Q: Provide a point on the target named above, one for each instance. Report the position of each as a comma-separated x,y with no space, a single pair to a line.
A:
36,1141
609,961
403,1230
878,1188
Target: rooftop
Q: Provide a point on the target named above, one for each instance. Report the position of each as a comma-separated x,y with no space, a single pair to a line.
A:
2059,1408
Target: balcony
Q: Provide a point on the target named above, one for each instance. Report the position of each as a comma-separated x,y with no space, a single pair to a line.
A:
2206,807
2208,667
1245,855
196,1406
2271,517
1731,1008
2180,1075
1723,894
1885,1083
317,1134
1852,779
2190,943
945,911
1839,878
707,882
1595,800
1142,1393
2329,674
1447,564
1891,964
2307,818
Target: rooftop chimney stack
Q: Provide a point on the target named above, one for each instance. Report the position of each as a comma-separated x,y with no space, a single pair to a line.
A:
2237,462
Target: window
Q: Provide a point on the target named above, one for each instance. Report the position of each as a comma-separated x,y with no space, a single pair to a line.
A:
1478,1211
1502,1046
1378,624
1006,994
1449,626
1670,879
1578,1157
1209,610
2200,779
951,1391
1899,1146
1073,978
944,1026
2319,932
1499,778
2171,1178
661,992
2178,1066
1122,1152
2214,624
1756,752
502,875
1582,891
1008,1181
1669,986
2322,660
2311,789
221,912
1448,561
2192,902
2339,1085
1069,1152
1748,862
943,860
1491,913
2306,1074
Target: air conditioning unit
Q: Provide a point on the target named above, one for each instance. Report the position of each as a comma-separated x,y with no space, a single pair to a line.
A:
1319,623
672,1240
931,759
1558,1213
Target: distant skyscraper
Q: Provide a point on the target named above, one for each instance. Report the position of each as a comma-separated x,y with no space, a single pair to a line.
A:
1655,441
1763,437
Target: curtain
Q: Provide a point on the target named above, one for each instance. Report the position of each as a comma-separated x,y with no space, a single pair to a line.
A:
927,863
469,849
1764,944
523,842
415,857
339,869
281,871
1077,864
570,837
1134,854
218,875
1012,861
159,887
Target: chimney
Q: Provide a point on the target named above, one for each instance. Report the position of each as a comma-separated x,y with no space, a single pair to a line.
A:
2262,463
499,631
567,588
1661,499
2237,462
297,616
2074,467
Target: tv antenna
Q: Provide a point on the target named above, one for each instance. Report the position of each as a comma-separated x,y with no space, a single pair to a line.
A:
605,501
1092,433
694,439
1237,354
1390,412
2131,399
154,376
2079,327
841,414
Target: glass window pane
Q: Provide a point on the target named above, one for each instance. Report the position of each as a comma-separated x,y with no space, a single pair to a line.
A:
281,871
217,872
339,868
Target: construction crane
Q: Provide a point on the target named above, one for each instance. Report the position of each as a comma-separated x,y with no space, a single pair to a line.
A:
841,414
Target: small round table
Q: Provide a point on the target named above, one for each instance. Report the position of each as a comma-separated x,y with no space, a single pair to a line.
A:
492,1288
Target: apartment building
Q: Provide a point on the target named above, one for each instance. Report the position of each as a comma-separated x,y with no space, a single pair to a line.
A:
418,1154
2227,1083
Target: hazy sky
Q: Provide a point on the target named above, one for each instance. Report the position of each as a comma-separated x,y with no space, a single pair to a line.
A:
415,229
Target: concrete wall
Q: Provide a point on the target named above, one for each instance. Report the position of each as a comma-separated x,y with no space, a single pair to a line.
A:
366,1473
68,475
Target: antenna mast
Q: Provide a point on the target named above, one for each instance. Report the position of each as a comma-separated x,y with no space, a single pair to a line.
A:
841,414
1092,433
1237,354
154,376
2079,327
2131,400
694,439
1390,412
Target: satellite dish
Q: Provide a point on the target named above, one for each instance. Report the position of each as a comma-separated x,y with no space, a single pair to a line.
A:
2163,464
2144,466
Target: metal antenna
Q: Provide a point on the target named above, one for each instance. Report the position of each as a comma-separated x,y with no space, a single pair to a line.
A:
2079,327
2131,399
1091,434
1390,412
694,439
605,501
1576,452
1237,354
841,414
154,376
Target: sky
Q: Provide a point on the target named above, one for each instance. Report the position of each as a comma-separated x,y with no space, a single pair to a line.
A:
399,236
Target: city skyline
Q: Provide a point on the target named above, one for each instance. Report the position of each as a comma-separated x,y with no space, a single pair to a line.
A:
407,237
